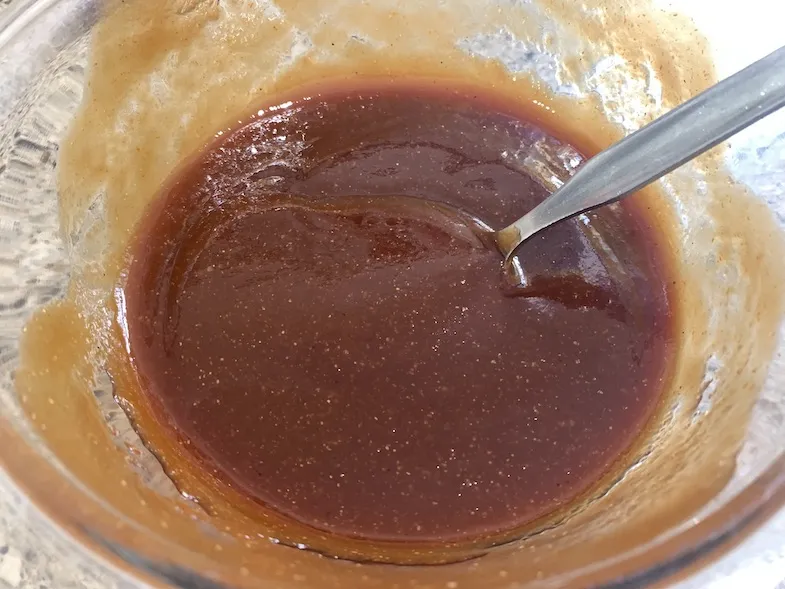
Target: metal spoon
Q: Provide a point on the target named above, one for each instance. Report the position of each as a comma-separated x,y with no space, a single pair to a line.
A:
658,148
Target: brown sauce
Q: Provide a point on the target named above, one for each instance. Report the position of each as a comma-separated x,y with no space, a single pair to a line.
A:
321,336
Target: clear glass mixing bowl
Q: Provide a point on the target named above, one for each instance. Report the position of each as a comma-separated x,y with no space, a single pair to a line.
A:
137,524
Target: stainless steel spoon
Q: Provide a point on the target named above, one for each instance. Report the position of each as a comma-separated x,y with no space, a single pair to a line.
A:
658,148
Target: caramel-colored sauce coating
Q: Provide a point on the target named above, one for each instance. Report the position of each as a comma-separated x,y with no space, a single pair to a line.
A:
326,340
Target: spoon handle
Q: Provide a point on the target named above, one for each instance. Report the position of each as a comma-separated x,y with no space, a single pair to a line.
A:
661,146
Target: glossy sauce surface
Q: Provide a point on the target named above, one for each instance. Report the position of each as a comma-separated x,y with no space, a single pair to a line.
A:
323,338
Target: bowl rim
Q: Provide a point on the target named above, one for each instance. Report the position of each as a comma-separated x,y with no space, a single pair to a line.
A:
133,551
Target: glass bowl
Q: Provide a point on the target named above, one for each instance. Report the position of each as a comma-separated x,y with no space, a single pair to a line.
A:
712,468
